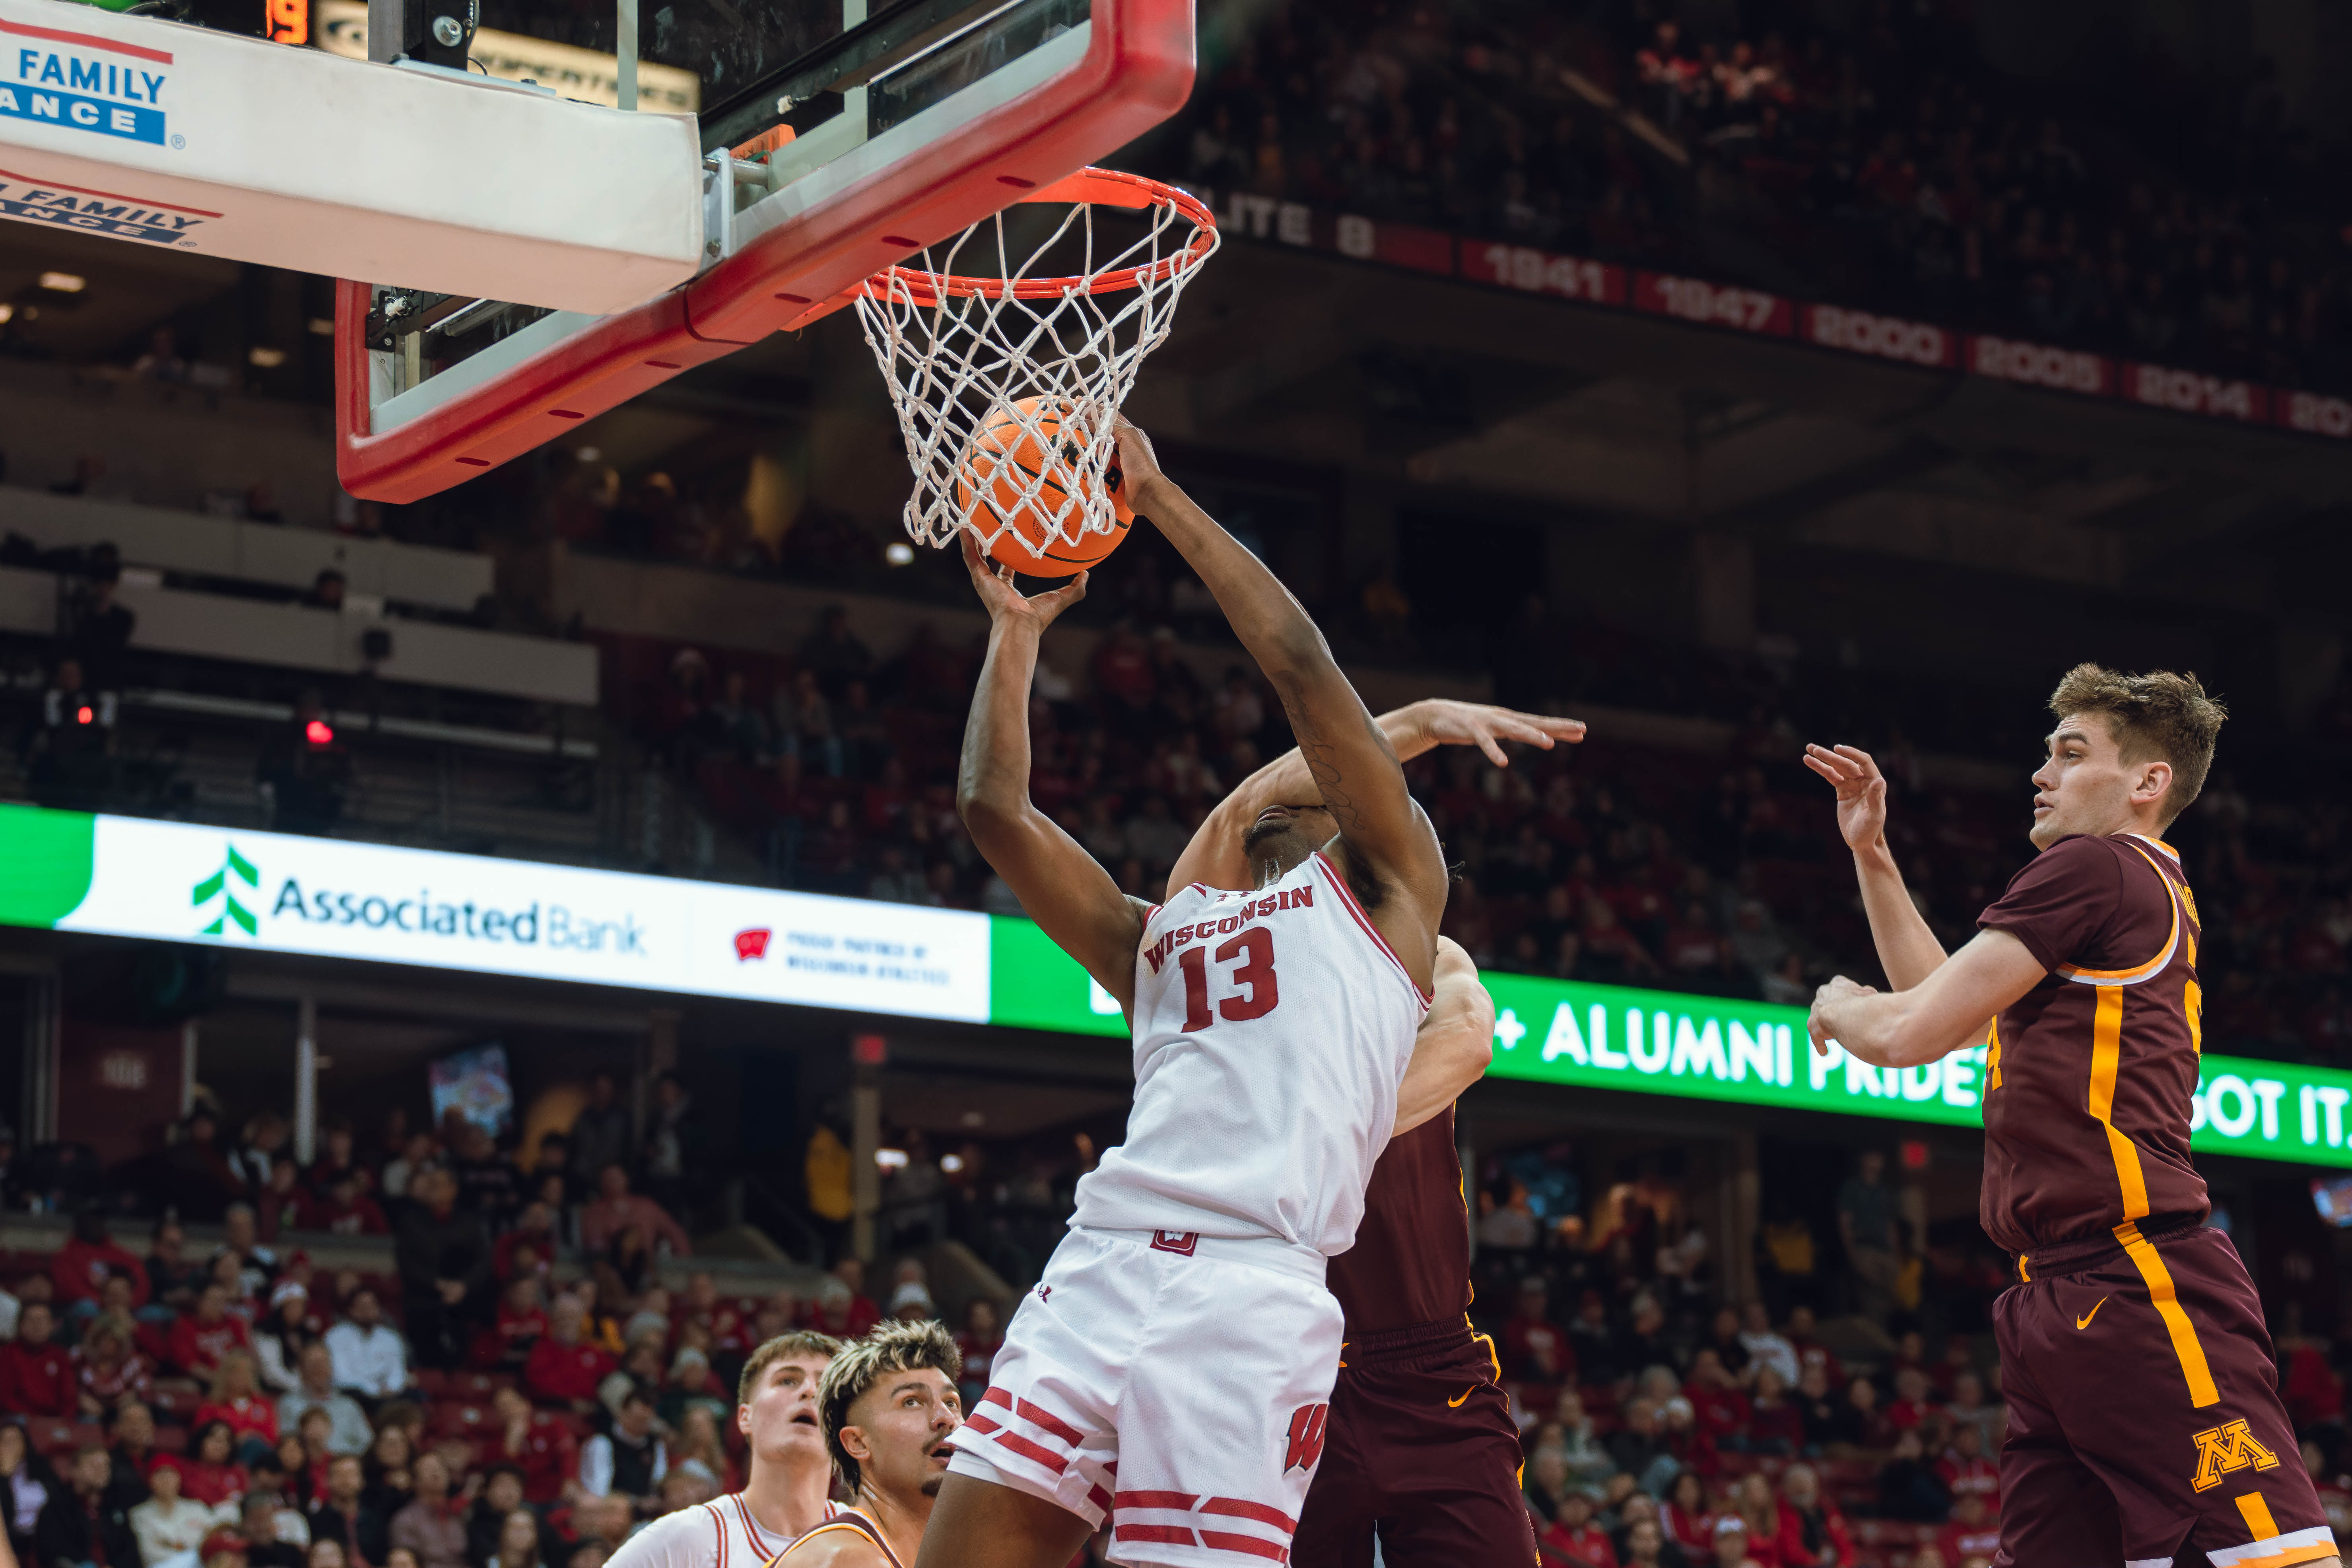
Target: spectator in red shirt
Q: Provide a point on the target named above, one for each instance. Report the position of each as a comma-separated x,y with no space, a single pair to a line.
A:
537,1445
505,1344
201,1338
562,1368
2313,1393
1965,1470
1574,1534
109,1372
37,1377
982,1338
534,1233
87,1260
1688,1521
1809,1350
237,1399
1812,1534
1534,1347
1914,1399
1958,1359
209,1472
704,1307
1775,1424
1719,1409
616,1209
337,1158
344,1209
843,1310
1972,1536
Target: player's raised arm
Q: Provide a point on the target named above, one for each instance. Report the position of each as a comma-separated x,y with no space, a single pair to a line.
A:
1907,949
1456,1043
1215,858
1383,835
1061,886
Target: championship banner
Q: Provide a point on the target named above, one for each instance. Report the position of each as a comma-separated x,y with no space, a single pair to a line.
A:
175,881
1840,328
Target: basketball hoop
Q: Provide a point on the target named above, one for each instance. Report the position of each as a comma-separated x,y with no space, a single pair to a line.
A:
1045,361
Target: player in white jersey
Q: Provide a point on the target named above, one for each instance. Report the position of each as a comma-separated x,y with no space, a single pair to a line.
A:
788,1491
1170,1372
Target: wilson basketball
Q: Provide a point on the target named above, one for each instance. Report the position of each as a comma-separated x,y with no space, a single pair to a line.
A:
1017,478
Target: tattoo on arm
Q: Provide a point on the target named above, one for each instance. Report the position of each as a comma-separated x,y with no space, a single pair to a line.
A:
1322,758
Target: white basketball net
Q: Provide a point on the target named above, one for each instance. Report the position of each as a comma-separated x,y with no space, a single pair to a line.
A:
962,352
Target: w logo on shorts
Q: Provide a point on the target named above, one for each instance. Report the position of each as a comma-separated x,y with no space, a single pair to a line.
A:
2222,1449
1307,1425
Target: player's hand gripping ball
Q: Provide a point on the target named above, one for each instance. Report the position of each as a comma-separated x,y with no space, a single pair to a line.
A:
1020,474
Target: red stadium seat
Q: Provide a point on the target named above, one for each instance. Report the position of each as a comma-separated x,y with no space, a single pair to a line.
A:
479,1385
53,1436
459,1418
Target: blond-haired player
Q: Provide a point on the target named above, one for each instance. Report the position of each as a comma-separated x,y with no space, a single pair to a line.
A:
787,1492
890,1412
2144,1424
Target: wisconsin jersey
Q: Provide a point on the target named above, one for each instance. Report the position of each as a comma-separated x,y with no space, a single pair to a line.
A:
1272,1030
719,1534
2091,1074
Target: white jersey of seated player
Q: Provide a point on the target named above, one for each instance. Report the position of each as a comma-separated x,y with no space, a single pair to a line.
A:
720,1533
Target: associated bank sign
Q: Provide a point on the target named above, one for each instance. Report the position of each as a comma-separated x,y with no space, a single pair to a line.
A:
175,882
333,899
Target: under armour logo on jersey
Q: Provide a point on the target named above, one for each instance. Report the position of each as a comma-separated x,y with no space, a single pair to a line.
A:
1307,1427
1180,1242
1044,1292
2221,1450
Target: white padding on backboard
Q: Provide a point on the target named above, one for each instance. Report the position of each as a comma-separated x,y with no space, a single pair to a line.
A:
160,133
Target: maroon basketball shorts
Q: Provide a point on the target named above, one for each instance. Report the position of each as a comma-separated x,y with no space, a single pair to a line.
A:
2144,1416
1421,1452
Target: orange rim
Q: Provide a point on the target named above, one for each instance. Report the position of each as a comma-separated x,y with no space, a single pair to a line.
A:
1094,187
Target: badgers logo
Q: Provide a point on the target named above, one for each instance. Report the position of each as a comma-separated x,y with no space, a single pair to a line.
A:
1307,1427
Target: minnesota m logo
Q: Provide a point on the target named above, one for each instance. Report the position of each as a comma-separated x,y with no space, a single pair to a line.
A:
2222,1449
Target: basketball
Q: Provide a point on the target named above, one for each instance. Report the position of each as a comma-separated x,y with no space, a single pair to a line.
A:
994,488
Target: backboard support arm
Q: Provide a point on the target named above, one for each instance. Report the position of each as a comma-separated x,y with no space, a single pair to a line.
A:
437,32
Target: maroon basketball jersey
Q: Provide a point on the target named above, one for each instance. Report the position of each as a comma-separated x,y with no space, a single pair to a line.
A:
1411,1263
2091,1074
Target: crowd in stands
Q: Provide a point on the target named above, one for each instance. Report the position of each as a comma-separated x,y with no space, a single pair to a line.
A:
1604,862
1883,166
519,1391
523,1393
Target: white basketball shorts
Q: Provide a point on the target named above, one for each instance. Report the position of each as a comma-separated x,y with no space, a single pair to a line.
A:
1163,1383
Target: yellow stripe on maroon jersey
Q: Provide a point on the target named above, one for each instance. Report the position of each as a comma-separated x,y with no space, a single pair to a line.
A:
2133,976
2106,1061
2166,1301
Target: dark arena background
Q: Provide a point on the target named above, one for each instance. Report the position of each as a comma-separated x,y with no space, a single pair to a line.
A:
1728,374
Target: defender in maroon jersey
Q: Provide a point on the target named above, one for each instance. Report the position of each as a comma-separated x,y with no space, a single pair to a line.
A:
1420,1450
2145,1422
1422,1453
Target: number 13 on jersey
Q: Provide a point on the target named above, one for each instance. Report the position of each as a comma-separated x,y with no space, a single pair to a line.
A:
1246,990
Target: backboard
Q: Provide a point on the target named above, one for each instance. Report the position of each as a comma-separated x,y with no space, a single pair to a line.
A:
836,143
